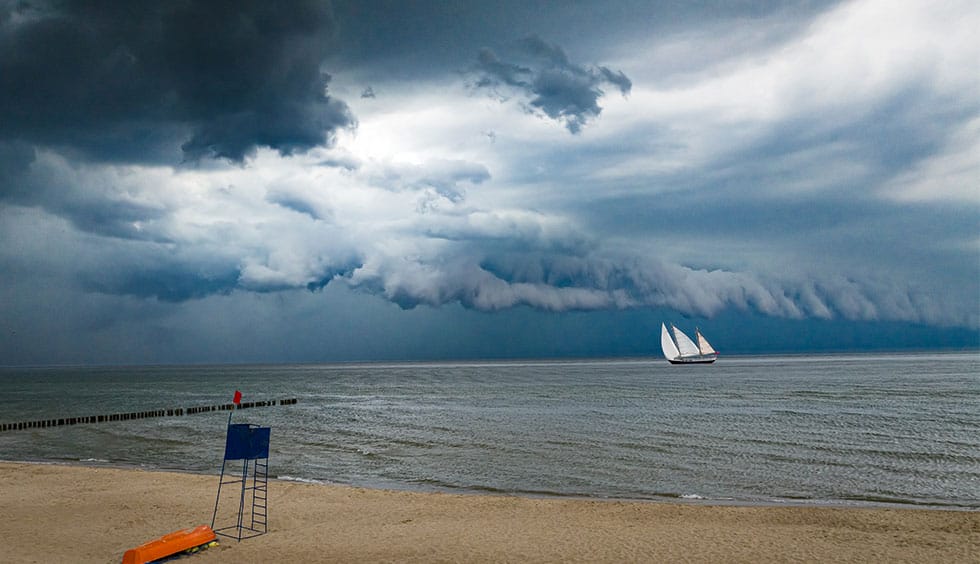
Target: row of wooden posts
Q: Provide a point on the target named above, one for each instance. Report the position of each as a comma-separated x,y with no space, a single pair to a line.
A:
176,412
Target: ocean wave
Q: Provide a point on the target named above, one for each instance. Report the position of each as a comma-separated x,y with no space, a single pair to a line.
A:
286,478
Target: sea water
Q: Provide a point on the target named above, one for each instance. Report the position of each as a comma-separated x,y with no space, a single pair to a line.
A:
829,429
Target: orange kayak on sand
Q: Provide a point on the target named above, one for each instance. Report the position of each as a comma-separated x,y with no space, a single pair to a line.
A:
169,544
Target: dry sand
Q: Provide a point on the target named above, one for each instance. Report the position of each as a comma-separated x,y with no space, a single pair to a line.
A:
53,513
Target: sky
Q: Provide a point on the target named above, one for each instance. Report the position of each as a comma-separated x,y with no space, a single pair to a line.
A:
314,181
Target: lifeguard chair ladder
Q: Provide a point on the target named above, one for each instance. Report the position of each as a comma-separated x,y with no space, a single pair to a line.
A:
250,444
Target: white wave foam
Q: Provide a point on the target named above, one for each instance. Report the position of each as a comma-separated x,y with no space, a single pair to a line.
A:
691,496
297,479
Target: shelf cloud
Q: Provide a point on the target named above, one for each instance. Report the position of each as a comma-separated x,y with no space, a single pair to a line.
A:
162,167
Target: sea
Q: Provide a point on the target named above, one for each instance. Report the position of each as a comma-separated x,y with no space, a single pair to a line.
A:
839,430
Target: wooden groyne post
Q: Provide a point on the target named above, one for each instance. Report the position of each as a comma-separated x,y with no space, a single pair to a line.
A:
172,412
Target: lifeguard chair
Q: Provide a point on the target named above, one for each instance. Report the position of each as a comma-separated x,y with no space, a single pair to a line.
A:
250,444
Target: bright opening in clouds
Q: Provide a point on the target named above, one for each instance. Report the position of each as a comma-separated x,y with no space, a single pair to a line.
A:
202,181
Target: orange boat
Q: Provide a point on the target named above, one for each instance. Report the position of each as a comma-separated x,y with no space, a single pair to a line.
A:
169,544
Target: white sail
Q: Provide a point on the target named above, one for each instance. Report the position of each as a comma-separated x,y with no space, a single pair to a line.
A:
703,344
684,343
670,349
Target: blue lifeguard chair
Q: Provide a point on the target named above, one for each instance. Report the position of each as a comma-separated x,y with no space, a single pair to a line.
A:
250,444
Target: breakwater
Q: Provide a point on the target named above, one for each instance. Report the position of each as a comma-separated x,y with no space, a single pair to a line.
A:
130,416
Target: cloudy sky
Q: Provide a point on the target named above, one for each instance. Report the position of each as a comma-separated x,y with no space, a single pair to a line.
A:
312,181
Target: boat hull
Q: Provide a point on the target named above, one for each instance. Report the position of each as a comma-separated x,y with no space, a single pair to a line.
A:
700,360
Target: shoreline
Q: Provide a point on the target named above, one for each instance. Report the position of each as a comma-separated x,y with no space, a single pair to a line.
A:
680,499
72,512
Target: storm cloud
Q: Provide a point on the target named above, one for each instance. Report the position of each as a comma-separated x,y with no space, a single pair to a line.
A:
165,169
127,82
553,85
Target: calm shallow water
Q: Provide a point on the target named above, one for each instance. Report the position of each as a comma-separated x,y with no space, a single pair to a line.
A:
860,429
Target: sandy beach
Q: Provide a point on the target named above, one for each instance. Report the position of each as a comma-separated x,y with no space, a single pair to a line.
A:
55,513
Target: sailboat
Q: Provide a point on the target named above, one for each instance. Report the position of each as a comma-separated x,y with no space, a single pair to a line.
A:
681,349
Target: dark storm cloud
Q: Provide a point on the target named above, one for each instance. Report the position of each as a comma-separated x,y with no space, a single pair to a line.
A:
99,207
133,81
16,158
420,39
562,90
167,282
178,272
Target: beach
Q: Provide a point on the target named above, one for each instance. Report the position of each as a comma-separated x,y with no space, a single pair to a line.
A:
62,513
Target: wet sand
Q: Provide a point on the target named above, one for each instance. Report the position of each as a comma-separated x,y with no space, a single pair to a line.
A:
55,513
